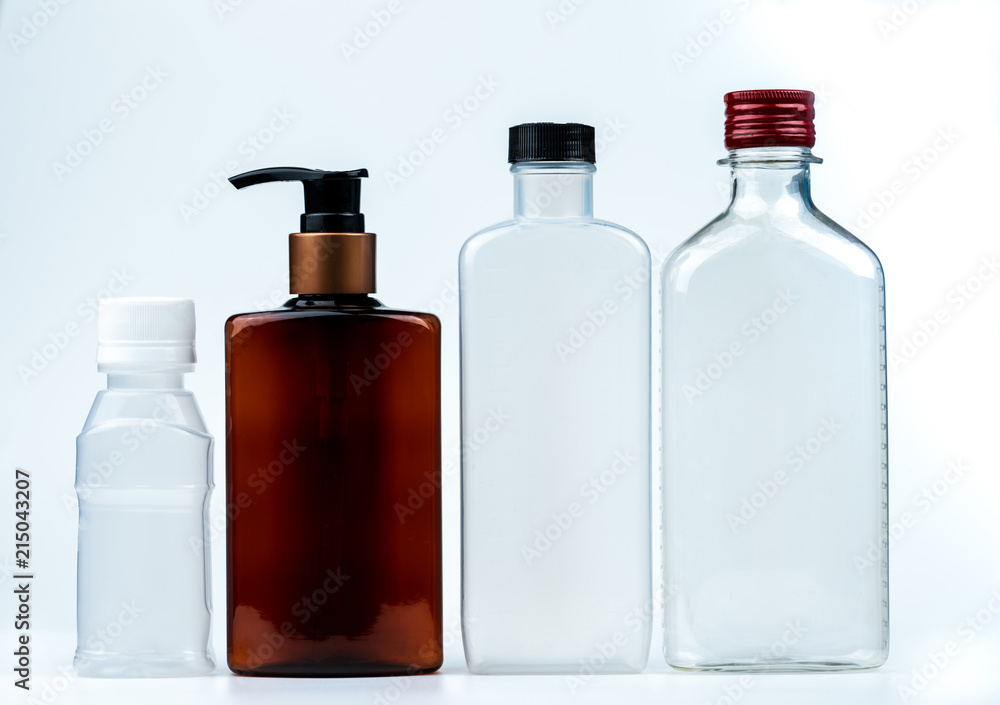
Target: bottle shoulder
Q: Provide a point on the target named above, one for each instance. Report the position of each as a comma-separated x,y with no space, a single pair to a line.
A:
329,315
808,234
530,233
838,231
113,408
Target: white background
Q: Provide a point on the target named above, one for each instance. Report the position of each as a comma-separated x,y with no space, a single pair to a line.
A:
890,80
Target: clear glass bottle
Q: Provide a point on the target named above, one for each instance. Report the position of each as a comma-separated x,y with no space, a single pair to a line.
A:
555,333
774,398
143,480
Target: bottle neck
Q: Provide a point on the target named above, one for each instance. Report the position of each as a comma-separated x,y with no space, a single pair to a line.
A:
306,301
553,190
767,179
146,379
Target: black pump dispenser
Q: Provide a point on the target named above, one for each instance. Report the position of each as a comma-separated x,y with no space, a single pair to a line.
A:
331,254
332,198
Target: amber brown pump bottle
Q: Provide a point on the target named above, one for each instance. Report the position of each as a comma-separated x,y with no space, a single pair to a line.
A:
333,426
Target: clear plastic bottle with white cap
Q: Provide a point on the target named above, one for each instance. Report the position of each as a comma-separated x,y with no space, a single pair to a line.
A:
143,479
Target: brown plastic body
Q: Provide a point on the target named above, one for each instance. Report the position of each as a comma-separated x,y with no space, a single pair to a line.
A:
333,490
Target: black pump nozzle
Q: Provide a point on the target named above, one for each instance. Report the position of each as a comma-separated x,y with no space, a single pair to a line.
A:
333,198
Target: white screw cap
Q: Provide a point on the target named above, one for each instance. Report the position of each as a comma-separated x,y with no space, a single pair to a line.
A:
145,332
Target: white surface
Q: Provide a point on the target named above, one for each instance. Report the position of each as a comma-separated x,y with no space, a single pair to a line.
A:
908,116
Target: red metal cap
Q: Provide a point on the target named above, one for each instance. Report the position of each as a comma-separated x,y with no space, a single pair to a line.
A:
769,119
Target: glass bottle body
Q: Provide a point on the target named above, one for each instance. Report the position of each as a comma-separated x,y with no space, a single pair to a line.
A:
333,484
775,434
555,331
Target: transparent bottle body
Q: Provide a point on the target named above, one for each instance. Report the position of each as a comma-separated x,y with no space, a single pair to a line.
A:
555,331
143,481
775,439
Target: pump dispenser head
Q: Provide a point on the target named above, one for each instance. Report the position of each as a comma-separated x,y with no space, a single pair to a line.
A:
332,254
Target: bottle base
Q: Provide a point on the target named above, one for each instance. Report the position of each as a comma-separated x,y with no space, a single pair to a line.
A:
563,664
93,665
560,669
787,665
332,670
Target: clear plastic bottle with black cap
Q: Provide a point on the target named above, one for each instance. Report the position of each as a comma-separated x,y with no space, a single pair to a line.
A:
333,461
555,373
774,401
